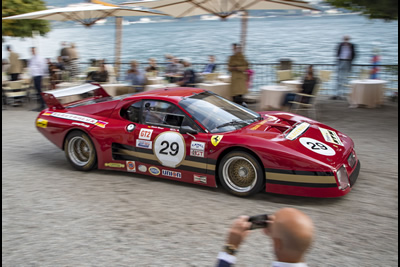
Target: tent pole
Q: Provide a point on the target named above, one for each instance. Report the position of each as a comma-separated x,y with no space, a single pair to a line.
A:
244,30
118,42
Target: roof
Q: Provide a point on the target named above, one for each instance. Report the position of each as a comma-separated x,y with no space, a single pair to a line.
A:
176,93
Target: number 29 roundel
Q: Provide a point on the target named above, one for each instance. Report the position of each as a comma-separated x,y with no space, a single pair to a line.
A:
170,149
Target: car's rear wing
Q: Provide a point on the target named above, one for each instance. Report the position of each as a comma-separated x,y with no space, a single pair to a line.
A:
62,98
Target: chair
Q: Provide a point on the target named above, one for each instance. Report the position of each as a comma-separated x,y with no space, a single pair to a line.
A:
324,76
211,77
14,91
283,75
394,96
310,106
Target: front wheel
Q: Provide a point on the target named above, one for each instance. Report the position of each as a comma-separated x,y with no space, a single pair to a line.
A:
241,174
80,151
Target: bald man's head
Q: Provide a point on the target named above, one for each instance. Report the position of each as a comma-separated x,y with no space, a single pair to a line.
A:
292,233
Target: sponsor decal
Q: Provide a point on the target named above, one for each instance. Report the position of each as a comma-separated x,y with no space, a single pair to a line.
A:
297,131
200,179
255,127
114,165
215,139
156,127
317,146
198,145
145,134
144,144
331,136
42,123
130,127
170,149
142,168
197,153
74,117
130,166
80,124
171,174
154,170
197,149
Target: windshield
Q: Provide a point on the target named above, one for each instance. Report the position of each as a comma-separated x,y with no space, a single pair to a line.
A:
218,114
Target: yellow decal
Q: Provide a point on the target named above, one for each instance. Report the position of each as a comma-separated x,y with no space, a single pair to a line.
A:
297,131
41,123
215,139
114,165
331,136
258,125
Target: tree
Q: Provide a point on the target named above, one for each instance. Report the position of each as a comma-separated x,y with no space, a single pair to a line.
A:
23,28
374,9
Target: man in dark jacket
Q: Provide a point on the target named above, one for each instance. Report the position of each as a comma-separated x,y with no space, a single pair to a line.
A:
345,54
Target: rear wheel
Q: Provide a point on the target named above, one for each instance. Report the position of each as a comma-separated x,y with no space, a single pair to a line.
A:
80,151
241,174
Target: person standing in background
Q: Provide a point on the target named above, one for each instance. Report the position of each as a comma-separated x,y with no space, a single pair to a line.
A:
238,66
15,65
375,62
64,54
38,68
136,77
73,60
345,53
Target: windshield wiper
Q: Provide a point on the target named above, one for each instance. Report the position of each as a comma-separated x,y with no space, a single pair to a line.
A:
233,122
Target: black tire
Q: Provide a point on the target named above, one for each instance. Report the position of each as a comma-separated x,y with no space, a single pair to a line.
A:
241,174
80,151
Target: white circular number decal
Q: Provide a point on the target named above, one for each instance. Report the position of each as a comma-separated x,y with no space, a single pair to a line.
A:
317,146
170,149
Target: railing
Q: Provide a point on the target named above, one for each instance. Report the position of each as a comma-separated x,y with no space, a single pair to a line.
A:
265,74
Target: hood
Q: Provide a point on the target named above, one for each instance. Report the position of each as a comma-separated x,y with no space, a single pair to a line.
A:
302,137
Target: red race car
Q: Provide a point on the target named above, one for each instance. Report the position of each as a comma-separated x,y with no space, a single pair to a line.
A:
195,136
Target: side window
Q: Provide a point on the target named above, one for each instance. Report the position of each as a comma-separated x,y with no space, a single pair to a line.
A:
163,114
133,112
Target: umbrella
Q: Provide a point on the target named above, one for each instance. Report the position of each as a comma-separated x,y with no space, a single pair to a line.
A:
220,8
88,14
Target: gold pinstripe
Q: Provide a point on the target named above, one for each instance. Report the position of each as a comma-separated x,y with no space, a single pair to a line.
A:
189,163
301,178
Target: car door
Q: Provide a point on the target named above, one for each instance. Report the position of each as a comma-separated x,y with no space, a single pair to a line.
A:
169,144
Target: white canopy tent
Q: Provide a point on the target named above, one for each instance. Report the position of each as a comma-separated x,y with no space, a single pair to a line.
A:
88,14
220,8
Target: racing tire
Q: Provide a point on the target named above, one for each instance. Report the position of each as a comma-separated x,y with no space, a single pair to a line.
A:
241,174
80,151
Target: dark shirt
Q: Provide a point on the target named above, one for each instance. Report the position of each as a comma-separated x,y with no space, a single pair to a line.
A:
352,49
210,68
189,78
99,76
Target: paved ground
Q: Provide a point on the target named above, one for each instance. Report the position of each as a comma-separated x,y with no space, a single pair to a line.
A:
56,216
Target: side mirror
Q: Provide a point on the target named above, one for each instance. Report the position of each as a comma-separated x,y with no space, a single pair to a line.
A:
187,130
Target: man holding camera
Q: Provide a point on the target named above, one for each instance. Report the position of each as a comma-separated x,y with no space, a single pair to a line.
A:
290,230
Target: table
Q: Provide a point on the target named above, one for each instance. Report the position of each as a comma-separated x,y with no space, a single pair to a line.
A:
220,88
115,89
224,78
272,96
151,87
155,80
294,84
367,92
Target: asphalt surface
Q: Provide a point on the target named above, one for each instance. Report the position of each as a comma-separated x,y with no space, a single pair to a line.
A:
53,215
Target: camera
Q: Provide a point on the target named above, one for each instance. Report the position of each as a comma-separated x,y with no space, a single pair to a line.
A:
258,221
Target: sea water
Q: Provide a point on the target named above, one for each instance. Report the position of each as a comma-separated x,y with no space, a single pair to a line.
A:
305,40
